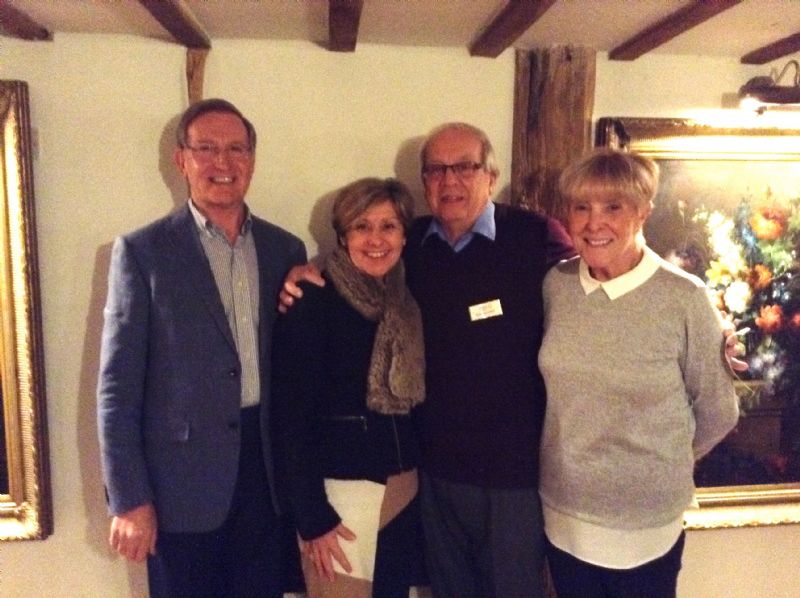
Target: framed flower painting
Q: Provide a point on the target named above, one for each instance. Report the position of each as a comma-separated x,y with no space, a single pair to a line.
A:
728,211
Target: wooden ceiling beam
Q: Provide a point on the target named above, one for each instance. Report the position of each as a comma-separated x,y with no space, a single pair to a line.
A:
344,17
180,21
779,49
671,26
15,23
515,19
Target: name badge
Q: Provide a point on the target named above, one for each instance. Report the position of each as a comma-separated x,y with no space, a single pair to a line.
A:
482,311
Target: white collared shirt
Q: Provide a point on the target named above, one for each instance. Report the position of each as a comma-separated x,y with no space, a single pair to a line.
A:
625,283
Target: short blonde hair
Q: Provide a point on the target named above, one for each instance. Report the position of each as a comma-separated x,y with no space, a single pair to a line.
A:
357,197
629,175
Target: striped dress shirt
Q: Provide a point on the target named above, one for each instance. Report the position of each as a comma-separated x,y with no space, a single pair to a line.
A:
235,269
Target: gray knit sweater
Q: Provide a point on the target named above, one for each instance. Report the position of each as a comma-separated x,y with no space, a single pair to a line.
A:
637,391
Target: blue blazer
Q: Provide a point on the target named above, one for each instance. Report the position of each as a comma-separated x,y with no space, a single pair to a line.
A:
169,383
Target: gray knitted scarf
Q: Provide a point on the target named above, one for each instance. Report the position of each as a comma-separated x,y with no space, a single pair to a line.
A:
396,379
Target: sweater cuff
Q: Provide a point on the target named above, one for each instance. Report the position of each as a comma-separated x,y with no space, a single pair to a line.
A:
311,526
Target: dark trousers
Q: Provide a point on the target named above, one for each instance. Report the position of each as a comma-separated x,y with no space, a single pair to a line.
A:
240,559
482,542
574,578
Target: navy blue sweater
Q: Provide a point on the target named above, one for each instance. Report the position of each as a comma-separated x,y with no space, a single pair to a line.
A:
482,418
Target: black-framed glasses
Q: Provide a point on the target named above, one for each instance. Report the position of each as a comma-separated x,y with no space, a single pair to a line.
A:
208,151
463,170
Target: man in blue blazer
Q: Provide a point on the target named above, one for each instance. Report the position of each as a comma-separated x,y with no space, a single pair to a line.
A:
183,391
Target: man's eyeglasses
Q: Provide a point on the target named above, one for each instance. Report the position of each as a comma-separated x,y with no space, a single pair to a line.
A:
207,152
463,170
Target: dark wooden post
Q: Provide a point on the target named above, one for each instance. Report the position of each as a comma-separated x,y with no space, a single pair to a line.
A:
553,103
195,72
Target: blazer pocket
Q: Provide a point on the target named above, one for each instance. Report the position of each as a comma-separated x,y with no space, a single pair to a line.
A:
179,431
170,431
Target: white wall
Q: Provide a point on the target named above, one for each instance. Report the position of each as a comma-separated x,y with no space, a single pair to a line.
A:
100,108
703,89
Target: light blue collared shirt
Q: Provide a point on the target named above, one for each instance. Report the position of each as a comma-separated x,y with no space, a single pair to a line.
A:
484,226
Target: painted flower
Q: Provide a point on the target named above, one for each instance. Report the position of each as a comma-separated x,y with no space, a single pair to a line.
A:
769,362
722,242
751,267
721,273
760,277
716,296
737,296
769,222
770,319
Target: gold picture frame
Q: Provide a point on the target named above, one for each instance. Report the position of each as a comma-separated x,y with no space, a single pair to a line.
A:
713,166
25,496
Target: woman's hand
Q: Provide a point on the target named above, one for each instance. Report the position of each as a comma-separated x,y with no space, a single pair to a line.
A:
322,550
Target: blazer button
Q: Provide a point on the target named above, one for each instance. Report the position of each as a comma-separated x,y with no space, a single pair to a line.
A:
233,373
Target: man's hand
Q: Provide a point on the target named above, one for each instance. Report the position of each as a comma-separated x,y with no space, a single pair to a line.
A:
324,549
290,290
133,533
733,348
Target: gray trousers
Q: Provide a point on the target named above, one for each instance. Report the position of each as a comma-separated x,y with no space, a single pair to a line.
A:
482,542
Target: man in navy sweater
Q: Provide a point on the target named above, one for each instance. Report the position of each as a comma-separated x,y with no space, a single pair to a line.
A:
476,269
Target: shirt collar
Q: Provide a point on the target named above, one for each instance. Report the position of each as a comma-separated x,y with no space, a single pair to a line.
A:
208,227
619,286
484,226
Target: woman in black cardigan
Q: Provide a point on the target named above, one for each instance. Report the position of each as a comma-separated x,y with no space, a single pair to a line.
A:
348,368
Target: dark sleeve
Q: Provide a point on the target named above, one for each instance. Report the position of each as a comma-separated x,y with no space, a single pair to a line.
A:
559,245
297,255
298,385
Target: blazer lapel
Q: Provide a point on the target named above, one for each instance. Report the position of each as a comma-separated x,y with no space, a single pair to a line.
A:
267,274
197,269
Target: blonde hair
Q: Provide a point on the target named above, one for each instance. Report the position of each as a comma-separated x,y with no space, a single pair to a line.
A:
606,172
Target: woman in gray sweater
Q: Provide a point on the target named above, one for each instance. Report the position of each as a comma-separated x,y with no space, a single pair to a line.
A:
637,390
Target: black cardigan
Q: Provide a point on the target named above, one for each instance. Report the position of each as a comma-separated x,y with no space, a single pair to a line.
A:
321,356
